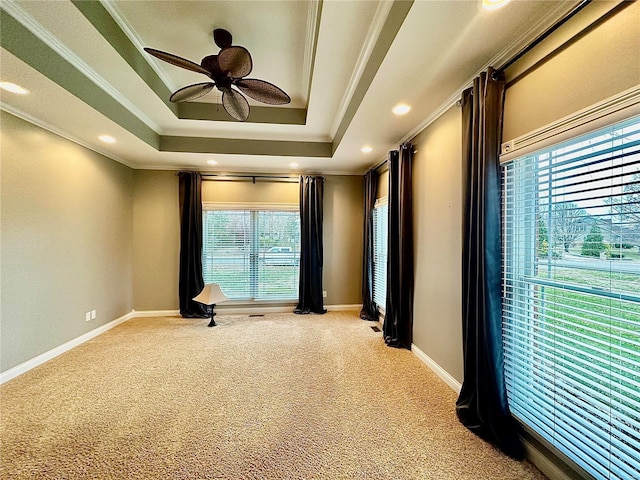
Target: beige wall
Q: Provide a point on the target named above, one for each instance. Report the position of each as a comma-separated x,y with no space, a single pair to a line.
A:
437,216
343,237
598,65
66,240
157,240
602,63
249,192
383,183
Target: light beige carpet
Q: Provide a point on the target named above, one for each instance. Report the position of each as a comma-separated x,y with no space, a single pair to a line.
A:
274,397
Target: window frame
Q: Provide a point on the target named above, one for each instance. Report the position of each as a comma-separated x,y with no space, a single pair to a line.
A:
381,205
520,277
255,266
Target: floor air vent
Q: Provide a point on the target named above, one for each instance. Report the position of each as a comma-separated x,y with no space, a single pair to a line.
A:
375,328
256,315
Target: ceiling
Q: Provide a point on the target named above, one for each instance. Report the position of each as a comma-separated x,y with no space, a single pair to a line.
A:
344,64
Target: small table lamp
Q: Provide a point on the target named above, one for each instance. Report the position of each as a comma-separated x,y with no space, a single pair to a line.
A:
210,295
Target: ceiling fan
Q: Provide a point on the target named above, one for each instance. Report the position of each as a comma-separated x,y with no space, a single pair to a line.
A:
227,69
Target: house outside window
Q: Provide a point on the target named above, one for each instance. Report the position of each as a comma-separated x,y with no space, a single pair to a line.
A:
571,297
252,252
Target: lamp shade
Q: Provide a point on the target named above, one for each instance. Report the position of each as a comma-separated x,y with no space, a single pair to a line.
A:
210,295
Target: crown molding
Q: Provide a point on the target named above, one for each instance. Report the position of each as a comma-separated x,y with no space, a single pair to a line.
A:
136,40
61,133
529,36
502,57
252,171
393,22
37,29
379,18
314,12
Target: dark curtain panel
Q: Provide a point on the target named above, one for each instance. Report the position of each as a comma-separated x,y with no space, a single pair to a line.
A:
311,254
482,405
191,282
369,310
398,319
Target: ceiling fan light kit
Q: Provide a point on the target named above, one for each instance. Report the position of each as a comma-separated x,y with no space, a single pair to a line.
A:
227,70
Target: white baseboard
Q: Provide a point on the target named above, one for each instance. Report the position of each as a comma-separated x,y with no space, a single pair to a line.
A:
343,308
156,313
533,454
437,369
246,309
40,359
231,310
250,309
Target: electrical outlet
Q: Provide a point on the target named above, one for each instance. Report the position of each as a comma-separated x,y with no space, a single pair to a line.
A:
93,314
324,293
87,316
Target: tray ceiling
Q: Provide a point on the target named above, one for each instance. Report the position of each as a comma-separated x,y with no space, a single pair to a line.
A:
345,64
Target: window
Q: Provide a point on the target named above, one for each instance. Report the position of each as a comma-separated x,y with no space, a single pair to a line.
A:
571,294
380,222
254,254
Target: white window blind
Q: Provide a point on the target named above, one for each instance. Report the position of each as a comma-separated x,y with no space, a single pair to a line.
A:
571,287
380,222
252,254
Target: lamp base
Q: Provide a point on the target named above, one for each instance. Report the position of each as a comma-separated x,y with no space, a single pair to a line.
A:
212,323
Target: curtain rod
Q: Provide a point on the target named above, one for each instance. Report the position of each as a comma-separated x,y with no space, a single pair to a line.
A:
545,34
384,161
229,177
246,178
523,52
380,165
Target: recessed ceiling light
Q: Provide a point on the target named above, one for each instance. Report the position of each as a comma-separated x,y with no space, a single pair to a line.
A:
293,165
212,162
366,149
401,109
13,88
107,139
494,4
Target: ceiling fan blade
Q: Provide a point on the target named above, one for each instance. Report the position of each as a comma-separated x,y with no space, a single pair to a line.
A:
176,60
191,92
235,61
235,104
222,38
210,63
262,91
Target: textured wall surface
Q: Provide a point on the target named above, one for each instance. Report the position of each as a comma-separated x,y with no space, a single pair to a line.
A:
67,240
